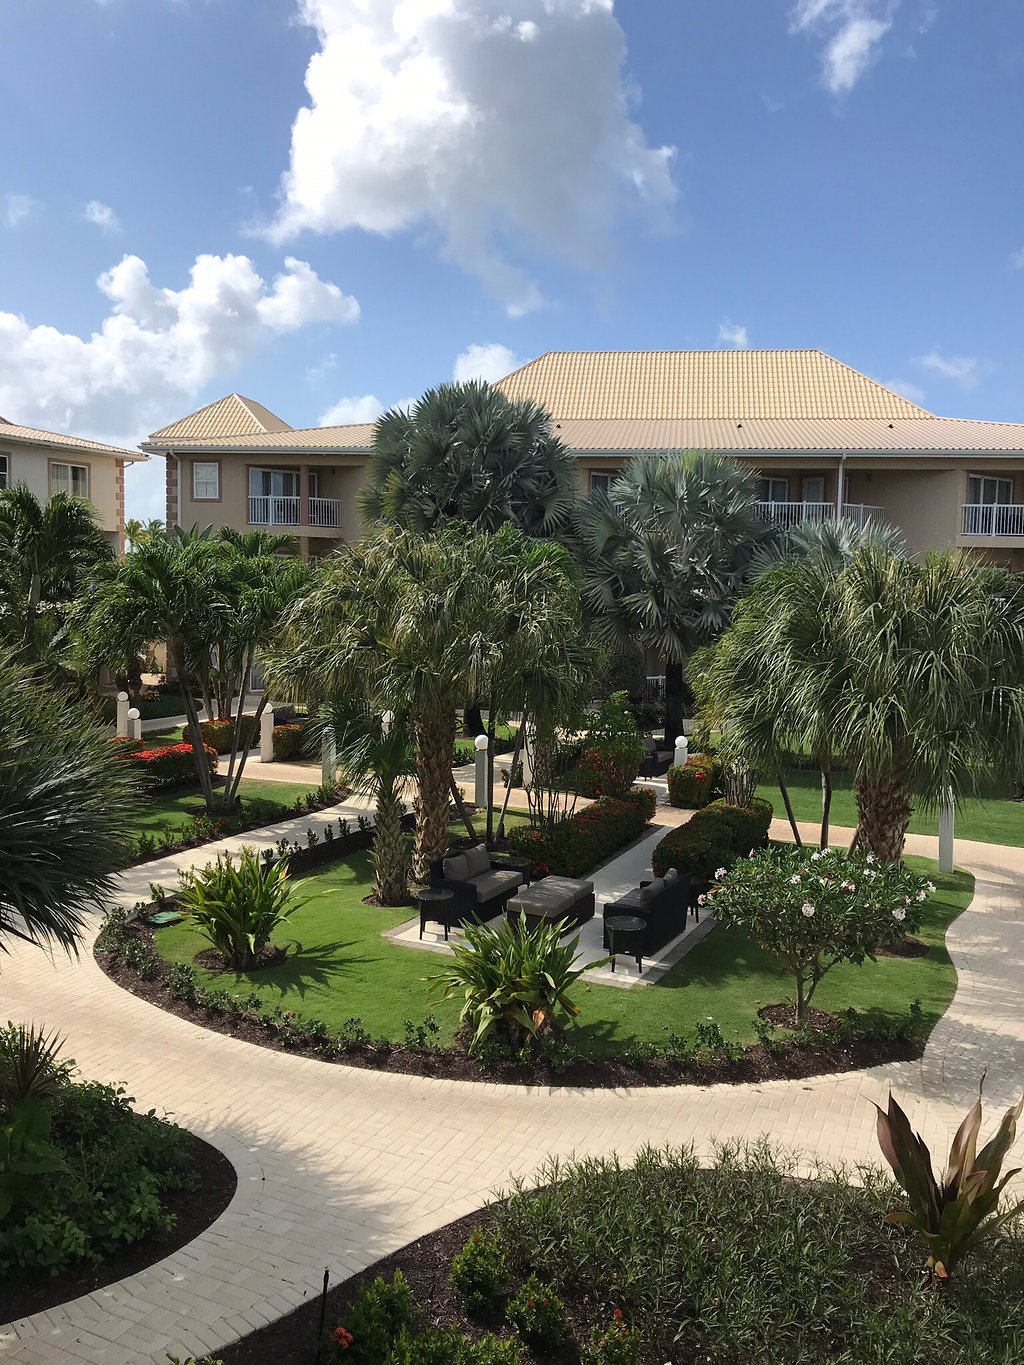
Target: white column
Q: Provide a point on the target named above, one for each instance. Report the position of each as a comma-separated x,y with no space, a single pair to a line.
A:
527,754
386,721
682,751
134,723
267,736
122,714
946,831
328,756
481,794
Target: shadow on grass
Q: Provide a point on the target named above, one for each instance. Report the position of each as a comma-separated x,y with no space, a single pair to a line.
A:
304,969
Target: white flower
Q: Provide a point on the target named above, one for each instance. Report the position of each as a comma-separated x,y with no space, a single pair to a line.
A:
701,900
849,886
815,856
795,879
808,909
871,858
720,873
899,915
920,896
930,888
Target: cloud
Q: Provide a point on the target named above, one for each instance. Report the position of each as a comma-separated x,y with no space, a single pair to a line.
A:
857,28
366,408
17,209
1017,259
912,391
732,334
488,362
506,124
102,216
964,370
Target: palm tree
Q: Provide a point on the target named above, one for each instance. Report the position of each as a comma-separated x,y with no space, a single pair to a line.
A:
465,452
47,552
62,803
378,758
136,532
664,554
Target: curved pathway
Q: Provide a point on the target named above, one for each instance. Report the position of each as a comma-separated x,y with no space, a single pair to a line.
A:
339,1166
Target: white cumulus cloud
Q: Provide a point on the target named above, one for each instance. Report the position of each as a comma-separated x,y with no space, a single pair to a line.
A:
505,124
733,334
488,362
102,216
365,408
855,28
17,209
904,386
964,370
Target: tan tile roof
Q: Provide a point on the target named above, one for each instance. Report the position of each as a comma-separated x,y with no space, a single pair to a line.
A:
672,385
11,431
355,437
920,434
232,415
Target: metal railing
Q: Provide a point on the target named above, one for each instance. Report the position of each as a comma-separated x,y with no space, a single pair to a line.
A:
993,519
325,512
273,511
862,513
790,514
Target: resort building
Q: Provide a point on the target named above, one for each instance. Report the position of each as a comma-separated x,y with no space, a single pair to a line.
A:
825,440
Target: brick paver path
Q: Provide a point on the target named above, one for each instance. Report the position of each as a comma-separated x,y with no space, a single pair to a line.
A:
339,1166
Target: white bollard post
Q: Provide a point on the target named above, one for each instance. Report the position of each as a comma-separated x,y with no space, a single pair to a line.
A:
267,736
328,757
682,751
122,714
527,754
947,822
386,721
134,723
481,794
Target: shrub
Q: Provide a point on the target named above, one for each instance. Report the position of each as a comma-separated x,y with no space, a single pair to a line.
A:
538,1315
290,741
613,750
480,1271
714,838
573,846
237,908
375,1322
612,1344
28,1064
812,910
691,785
219,735
167,765
749,824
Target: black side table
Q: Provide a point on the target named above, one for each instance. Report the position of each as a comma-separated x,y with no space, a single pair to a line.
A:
626,935
435,907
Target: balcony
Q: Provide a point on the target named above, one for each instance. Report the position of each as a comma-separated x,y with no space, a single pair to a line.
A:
786,515
993,519
325,513
322,513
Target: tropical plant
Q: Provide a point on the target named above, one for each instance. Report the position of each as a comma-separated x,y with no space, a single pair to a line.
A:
479,1272
960,1211
514,982
238,908
29,1068
377,757
465,452
137,532
538,1315
665,552
26,1154
613,1343
612,750
813,910
62,805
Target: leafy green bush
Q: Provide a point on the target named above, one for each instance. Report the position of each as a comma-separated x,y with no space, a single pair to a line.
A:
538,1315
749,824
237,908
290,741
613,750
374,1322
26,1153
714,838
219,735
479,1272
613,1343
574,846
691,785
166,765
28,1064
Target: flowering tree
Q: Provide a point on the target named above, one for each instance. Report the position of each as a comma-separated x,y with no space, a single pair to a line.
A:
813,910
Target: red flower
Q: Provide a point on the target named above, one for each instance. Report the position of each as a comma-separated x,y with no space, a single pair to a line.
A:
342,1339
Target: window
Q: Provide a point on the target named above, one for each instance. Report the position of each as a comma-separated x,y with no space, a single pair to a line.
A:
5,470
985,488
70,478
205,481
601,483
775,490
814,489
314,483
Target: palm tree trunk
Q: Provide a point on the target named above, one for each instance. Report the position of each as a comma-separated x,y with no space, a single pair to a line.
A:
675,699
435,738
516,754
390,855
884,810
826,803
789,811
194,732
460,806
473,721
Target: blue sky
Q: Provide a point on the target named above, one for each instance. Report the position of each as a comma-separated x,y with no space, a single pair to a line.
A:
490,179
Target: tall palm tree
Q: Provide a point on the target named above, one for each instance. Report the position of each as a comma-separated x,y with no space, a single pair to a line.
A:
465,452
664,554
62,803
136,531
378,758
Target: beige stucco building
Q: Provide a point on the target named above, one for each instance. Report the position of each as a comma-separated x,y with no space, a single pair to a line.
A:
49,462
825,439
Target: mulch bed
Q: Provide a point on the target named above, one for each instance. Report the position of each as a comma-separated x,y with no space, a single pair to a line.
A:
210,960
194,1210
784,1016
908,947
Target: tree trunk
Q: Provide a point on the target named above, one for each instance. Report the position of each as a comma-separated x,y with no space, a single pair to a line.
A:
789,811
473,721
489,827
194,732
390,856
675,699
435,738
884,810
826,803
460,806
516,753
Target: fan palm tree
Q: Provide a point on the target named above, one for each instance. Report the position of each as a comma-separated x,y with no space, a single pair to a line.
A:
378,758
664,552
62,802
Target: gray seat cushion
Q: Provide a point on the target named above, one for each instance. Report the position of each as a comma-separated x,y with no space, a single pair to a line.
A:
670,876
551,897
478,860
456,869
497,883
652,889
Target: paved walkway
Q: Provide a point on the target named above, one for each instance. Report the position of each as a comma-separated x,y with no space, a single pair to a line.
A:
339,1166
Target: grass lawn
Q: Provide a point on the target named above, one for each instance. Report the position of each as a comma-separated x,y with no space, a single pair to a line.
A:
167,704
161,814
340,967
993,821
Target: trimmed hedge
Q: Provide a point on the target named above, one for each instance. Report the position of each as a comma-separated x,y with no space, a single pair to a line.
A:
715,837
574,846
691,785
608,770
166,765
289,741
220,734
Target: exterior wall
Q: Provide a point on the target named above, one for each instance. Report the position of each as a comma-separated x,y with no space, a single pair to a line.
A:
31,465
924,504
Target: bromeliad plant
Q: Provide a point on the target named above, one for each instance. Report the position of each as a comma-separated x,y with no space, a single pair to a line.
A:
514,982
961,1210
238,908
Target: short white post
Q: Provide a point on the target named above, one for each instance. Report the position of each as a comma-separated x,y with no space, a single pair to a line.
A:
122,714
267,736
529,738
946,831
481,794
328,756
134,723
386,721
682,751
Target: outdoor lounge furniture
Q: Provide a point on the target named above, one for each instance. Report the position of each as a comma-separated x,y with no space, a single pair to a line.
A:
662,904
656,762
554,898
625,934
435,908
481,884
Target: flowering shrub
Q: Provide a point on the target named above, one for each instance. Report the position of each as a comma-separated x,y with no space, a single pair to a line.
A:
575,845
715,837
167,764
616,1344
691,785
220,734
538,1315
374,1323
289,741
614,750
812,909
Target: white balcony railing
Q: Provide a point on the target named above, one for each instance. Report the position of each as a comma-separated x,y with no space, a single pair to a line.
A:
325,512
788,514
993,519
862,513
272,511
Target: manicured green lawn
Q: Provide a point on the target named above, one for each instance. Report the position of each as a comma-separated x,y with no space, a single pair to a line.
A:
162,814
993,821
340,967
166,704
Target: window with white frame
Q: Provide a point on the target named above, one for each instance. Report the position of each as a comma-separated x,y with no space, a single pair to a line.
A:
205,481
601,483
774,490
70,478
5,470
988,488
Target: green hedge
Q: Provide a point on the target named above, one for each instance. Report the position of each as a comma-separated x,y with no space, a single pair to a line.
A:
574,846
219,735
691,785
715,837
289,741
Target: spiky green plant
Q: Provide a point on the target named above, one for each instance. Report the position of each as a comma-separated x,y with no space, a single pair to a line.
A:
29,1065
961,1210
237,908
